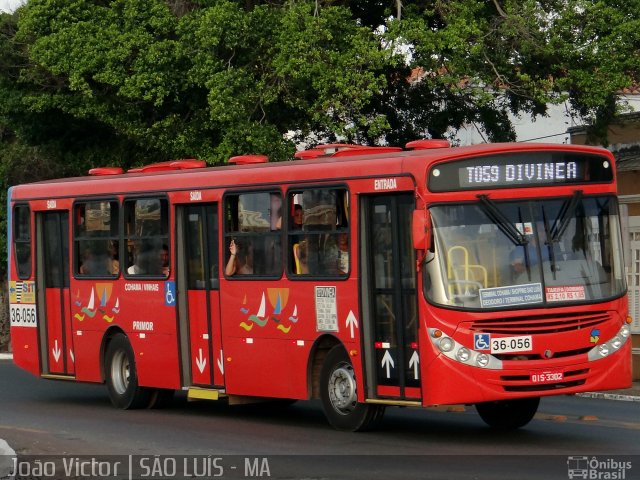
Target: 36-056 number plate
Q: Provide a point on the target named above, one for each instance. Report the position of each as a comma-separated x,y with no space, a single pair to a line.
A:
522,343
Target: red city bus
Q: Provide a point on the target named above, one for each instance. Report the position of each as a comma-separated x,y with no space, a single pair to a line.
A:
367,277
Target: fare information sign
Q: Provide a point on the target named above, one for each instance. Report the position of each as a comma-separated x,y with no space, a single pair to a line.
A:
527,169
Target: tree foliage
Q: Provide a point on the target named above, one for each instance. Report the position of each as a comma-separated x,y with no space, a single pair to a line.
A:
124,82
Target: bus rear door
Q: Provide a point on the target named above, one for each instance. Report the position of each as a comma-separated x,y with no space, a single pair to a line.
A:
389,298
199,295
52,289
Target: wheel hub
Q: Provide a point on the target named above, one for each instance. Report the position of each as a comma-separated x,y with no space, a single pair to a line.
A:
120,373
342,389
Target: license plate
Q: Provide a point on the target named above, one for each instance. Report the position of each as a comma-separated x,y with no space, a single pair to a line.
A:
550,376
522,343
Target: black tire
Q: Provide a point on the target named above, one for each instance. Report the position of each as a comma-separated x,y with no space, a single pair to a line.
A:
508,414
339,397
121,376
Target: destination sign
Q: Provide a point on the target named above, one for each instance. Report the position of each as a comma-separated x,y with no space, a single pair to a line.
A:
527,169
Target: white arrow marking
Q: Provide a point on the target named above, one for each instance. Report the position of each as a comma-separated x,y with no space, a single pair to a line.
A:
387,362
56,351
414,362
352,322
220,363
201,362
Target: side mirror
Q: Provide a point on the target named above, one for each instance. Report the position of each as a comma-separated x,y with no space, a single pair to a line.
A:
421,230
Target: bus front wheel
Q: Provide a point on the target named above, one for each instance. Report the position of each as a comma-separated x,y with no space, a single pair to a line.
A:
121,376
508,414
339,397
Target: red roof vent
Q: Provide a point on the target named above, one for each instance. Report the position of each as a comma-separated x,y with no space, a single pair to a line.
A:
342,150
352,152
427,144
188,164
184,164
248,159
106,171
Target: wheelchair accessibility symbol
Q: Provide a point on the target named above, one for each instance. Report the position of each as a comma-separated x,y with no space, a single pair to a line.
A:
482,341
169,294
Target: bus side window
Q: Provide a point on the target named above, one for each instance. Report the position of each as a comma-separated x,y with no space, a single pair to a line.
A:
253,237
318,232
22,240
146,237
96,231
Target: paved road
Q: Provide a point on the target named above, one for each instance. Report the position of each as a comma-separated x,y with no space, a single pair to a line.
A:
40,418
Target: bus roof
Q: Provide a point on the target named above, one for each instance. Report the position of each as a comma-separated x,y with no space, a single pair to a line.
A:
363,163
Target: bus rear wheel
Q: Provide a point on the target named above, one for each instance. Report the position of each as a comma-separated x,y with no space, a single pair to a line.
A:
339,396
508,414
121,376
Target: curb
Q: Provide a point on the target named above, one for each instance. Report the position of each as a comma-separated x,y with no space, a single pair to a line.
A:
610,396
6,356
7,456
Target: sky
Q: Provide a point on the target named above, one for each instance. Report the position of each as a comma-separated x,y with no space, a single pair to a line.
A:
10,5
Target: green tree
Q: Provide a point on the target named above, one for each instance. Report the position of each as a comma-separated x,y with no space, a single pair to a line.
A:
125,82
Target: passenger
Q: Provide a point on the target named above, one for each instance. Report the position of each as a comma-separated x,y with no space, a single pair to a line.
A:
88,265
297,217
300,255
240,261
113,262
343,253
164,260
142,260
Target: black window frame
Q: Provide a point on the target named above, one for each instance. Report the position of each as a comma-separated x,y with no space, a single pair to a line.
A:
79,237
150,244
228,234
24,266
346,211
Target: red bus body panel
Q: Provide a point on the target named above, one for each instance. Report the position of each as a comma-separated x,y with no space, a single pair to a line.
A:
272,355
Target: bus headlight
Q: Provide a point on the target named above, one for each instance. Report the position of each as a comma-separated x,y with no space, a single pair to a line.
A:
615,343
482,360
463,354
625,331
446,344
603,349
459,353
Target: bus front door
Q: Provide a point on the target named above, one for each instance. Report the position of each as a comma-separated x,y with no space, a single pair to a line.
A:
389,298
53,296
199,295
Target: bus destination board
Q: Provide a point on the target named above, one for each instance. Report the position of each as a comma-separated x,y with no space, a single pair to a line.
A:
531,169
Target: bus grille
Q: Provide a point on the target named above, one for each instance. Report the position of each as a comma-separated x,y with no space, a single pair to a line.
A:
540,324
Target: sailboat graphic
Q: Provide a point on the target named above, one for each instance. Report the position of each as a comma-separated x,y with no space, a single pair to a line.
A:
116,307
244,309
103,301
277,309
89,309
259,318
294,316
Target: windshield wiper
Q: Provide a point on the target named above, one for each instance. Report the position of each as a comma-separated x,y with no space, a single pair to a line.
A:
564,217
502,221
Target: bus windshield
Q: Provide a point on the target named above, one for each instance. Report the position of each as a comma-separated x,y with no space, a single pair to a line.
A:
505,254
